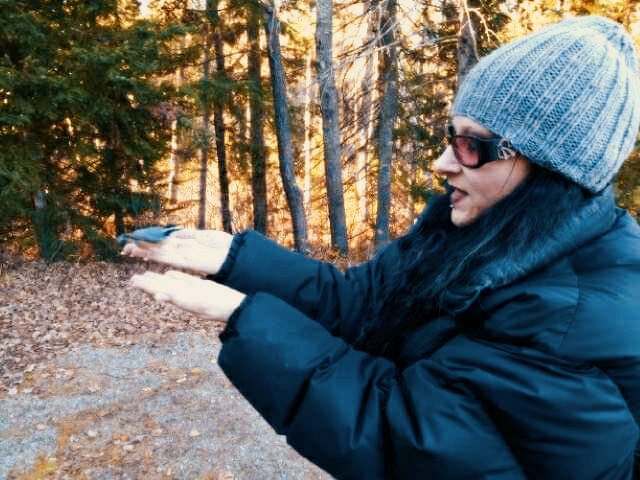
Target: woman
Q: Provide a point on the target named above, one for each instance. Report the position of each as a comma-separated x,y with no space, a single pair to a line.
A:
500,338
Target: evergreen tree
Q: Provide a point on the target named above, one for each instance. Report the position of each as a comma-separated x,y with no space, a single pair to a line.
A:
81,119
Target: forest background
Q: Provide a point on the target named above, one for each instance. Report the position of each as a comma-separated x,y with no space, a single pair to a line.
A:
312,122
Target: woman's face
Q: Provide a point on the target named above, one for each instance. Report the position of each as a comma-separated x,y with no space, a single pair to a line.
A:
475,190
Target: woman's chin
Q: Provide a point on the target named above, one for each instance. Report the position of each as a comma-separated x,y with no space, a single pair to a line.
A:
461,217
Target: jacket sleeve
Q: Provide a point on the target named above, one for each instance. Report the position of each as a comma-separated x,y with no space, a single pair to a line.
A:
353,414
474,409
339,301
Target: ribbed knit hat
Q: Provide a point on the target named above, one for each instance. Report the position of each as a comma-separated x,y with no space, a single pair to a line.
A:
567,97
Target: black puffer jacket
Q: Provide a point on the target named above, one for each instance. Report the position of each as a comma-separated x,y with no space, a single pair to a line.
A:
545,385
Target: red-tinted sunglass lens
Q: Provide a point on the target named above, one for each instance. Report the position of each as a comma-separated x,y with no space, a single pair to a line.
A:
466,151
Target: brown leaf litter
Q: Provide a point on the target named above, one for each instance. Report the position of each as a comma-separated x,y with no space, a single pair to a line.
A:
99,381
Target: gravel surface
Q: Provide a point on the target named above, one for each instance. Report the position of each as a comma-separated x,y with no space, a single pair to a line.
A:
97,381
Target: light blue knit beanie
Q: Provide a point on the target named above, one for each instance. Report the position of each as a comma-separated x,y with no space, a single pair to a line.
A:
567,97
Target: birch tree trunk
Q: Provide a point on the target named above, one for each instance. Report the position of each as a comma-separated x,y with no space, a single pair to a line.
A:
330,125
258,162
283,130
218,121
388,113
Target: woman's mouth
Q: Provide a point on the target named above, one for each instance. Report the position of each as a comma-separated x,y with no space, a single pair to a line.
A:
457,195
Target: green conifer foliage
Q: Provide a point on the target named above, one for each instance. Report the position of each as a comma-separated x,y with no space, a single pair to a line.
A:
83,119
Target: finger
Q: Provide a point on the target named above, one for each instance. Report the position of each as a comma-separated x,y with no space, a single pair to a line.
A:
171,246
140,280
186,281
158,252
177,243
132,249
207,237
153,276
185,233
129,249
161,297
183,277
151,283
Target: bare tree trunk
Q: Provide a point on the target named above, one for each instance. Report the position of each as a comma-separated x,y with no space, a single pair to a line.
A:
283,130
467,52
174,165
388,113
330,125
218,122
307,132
42,227
258,160
415,146
365,126
182,156
204,152
175,159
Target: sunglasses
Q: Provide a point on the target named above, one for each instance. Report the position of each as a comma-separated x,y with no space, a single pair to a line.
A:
473,152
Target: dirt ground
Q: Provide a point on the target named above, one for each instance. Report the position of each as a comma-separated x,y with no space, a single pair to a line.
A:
98,381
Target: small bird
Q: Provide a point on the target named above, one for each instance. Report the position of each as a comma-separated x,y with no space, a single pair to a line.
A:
153,234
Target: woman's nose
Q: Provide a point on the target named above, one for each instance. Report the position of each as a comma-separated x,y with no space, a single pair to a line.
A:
446,163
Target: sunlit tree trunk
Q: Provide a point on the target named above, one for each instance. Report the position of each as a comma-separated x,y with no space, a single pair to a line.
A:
174,165
388,113
467,52
181,155
307,133
258,161
330,125
204,152
218,121
175,159
283,130
365,125
408,151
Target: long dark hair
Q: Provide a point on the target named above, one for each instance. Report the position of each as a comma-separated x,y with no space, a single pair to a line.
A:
441,266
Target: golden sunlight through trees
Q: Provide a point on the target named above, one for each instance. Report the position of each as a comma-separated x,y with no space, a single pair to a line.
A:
314,123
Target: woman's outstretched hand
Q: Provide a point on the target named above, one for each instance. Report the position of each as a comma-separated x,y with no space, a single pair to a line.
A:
202,297
202,251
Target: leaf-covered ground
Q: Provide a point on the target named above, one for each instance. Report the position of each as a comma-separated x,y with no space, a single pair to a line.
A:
98,381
